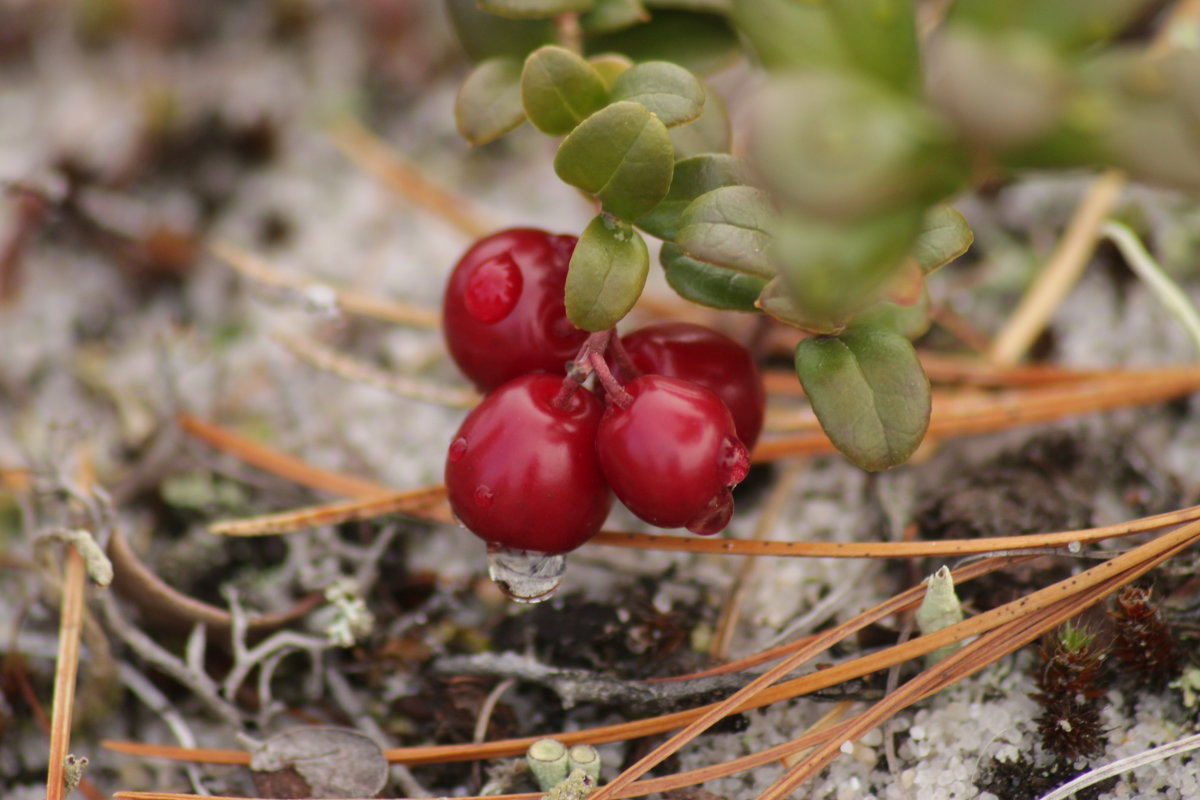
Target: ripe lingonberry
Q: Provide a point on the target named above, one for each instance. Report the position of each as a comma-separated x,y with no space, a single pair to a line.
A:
672,454
522,471
503,313
704,356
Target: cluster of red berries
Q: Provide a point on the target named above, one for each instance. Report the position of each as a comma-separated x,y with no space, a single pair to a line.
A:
534,466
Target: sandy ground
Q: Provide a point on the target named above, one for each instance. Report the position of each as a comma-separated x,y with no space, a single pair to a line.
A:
132,148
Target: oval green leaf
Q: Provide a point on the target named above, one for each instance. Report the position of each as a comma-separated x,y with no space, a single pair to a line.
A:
693,177
608,16
842,148
622,154
710,133
533,9
559,89
610,66
836,269
607,272
708,284
909,320
778,301
669,91
732,227
696,41
488,104
485,35
869,393
785,34
944,236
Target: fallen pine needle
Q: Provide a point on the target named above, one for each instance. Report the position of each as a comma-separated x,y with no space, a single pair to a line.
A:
66,670
318,293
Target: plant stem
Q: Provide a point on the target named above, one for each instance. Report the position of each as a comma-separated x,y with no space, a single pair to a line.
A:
1146,268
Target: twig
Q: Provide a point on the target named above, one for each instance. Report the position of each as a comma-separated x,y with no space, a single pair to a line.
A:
574,686
138,583
358,371
375,158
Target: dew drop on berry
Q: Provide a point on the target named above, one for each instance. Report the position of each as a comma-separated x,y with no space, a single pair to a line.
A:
715,516
734,461
458,448
483,496
493,289
525,576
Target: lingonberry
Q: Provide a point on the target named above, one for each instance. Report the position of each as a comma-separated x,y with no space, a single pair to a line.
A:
704,356
503,313
671,455
522,471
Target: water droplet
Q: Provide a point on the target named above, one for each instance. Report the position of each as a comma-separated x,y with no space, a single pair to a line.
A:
483,496
526,576
458,448
493,289
715,516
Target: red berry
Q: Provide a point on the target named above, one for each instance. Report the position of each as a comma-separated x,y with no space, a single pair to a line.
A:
672,454
522,470
503,313
713,360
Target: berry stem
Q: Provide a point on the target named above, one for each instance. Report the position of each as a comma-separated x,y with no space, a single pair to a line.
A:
612,387
622,358
591,359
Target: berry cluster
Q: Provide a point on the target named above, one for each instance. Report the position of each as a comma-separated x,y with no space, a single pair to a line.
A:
666,429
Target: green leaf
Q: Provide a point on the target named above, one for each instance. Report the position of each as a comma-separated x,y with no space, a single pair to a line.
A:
869,392
786,33
488,104
693,177
701,43
485,35
730,227
672,94
880,37
944,236
621,154
1000,90
607,272
608,16
559,89
708,284
842,148
836,269
711,133
711,6
533,9
610,66
777,301
910,321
